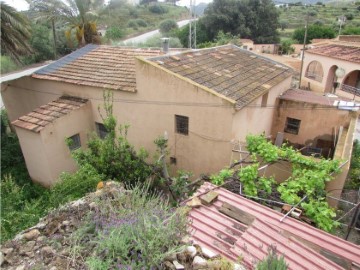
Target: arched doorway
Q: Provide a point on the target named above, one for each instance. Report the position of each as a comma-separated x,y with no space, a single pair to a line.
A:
315,71
331,79
351,83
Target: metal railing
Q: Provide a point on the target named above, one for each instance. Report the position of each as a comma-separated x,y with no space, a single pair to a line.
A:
350,89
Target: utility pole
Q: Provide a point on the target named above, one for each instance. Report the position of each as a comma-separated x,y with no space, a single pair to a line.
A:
303,50
192,25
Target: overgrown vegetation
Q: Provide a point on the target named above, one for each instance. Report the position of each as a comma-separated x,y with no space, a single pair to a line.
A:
353,180
133,230
293,17
272,261
306,182
111,158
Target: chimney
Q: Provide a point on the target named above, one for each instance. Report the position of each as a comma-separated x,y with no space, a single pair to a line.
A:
165,44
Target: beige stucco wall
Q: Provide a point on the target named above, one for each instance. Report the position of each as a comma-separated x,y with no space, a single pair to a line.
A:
327,63
35,156
46,153
207,147
256,119
311,128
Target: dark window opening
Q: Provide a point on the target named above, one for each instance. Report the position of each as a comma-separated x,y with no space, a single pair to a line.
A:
173,160
101,130
182,124
74,142
292,125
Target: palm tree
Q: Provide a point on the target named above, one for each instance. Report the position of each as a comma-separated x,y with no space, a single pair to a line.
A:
81,17
15,33
50,11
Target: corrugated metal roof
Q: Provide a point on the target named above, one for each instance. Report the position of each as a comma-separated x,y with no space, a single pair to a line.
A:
229,70
99,66
39,118
303,246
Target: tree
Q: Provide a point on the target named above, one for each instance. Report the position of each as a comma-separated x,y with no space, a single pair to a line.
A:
286,46
314,31
255,19
201,34
49,11
167,26
41,43
81,15
15,33
351,30
283,24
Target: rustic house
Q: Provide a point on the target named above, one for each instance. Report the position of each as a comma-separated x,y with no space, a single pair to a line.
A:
333,67
203,99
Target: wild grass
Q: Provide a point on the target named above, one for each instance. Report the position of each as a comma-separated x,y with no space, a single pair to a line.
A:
135,229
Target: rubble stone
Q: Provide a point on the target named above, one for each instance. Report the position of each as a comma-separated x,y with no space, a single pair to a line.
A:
31,235
178,266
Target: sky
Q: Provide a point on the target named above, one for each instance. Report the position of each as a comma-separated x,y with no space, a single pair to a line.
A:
22,5
19,5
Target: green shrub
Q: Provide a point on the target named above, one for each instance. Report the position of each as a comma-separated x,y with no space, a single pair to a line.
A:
272,261
132,24
167,26
158,9
74,186
114,157
7,64
18,211
141,23
114,32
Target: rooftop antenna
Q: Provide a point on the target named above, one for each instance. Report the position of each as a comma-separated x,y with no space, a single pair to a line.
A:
192,25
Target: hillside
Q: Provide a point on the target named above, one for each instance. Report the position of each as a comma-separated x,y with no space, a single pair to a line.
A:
295,16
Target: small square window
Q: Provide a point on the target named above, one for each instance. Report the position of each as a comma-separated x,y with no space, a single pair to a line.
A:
173,160
74,142
182,124
292,125
101,130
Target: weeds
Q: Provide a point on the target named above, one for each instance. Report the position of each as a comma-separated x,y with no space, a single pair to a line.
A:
133,230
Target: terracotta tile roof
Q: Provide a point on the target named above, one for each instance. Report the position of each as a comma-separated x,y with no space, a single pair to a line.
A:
340,50
46,114
232,72
303,246
99,66
349,38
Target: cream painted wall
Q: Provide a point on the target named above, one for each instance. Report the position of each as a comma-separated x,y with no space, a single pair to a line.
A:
35,156
207,147
327,63
322,126
53,136
255,119
46,153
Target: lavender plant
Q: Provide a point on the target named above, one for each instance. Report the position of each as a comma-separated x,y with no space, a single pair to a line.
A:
135,230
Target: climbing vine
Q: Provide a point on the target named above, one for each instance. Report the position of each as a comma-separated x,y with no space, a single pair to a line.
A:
308,178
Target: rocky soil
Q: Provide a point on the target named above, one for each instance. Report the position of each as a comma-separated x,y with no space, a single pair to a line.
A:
49,244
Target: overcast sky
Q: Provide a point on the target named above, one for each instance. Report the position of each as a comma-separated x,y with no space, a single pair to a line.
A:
22,5
18,4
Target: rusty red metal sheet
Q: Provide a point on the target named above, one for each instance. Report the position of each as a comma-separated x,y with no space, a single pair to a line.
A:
302,245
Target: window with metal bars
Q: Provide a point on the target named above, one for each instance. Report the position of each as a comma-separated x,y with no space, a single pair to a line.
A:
182,124
74,142
292,125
